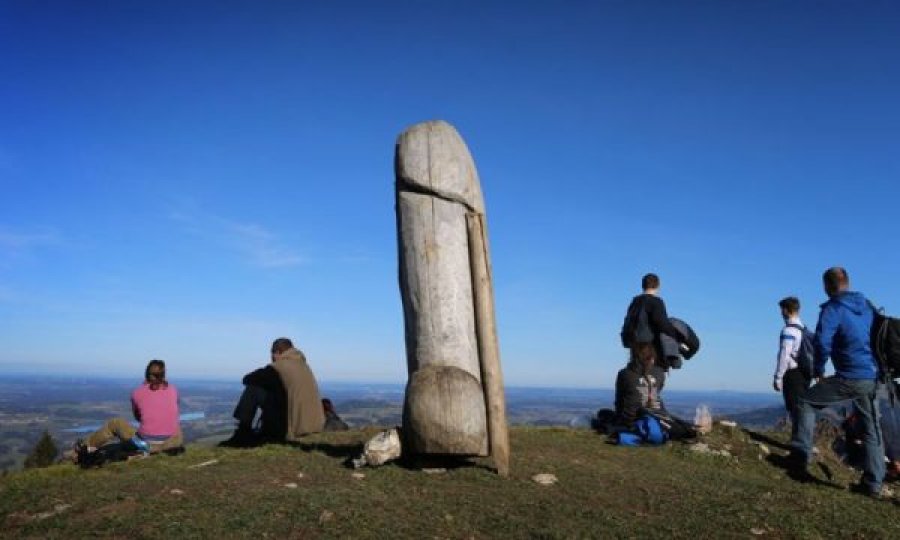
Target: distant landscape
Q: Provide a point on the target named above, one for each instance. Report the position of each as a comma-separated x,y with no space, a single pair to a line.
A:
67,406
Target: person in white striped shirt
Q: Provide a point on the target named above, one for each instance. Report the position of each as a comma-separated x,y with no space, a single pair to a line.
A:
789,379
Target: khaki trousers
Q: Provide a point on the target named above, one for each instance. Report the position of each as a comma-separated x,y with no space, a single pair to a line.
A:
123,430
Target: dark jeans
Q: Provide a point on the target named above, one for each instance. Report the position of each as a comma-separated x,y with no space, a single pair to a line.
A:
793,385
252,399
833,390
890,425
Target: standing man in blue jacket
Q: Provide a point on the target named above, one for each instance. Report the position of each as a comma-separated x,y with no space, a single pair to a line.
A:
843,334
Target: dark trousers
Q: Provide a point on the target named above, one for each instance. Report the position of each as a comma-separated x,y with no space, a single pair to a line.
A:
252,399
793,386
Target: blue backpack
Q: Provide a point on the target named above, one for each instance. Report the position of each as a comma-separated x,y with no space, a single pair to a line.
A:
647,429
806,352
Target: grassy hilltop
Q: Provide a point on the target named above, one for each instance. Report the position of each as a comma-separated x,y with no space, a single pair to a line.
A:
603,491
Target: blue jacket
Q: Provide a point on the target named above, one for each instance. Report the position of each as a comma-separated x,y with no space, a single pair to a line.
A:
843,334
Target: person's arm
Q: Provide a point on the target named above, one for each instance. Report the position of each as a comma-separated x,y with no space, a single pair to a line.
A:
135,410
627,324
825,332
266,378
659,319
786,347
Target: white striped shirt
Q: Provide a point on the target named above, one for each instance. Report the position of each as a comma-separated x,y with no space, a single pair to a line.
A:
789,344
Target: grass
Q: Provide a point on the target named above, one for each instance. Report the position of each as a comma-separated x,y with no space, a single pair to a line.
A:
603,491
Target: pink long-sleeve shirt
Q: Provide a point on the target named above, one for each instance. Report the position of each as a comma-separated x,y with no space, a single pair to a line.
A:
156,410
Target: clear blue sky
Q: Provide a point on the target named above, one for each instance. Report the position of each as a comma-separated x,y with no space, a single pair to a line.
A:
188,181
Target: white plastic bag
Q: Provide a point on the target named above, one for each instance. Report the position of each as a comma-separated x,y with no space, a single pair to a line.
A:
380,449
703,419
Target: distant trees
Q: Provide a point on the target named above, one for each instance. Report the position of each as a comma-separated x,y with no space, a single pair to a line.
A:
43,454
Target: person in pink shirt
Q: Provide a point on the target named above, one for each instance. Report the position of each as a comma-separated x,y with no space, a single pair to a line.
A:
155,407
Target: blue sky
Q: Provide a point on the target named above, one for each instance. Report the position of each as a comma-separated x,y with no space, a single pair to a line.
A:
189,180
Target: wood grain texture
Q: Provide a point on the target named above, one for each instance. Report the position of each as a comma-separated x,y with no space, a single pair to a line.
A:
488,344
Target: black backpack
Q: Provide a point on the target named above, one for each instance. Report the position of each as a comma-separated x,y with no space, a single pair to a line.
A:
885,343
636,328
806,352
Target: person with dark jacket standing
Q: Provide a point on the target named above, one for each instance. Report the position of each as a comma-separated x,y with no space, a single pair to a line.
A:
646,320
843,334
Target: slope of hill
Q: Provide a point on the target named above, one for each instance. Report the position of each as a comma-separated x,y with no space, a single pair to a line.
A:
305,492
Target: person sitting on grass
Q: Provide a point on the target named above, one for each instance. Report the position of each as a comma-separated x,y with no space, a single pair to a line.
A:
155,407
286,395
639,388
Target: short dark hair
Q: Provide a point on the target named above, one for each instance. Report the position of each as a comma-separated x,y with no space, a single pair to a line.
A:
834,279
790,304
281,344
650,281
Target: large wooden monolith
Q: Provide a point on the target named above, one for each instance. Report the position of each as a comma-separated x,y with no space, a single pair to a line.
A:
454,398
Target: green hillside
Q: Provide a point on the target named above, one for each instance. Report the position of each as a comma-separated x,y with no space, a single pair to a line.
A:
603,491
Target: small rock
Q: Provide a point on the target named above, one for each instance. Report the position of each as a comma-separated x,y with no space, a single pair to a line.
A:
545,479
358,475
701,448
325,517
291,485
204,464
757,531
436,470
57,509
176,492
727,423
300,476
763,448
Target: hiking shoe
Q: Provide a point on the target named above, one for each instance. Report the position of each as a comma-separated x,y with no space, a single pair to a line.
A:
241,439
798,467
81,453
863,489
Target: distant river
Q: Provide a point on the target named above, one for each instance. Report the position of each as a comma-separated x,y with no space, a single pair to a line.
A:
186,417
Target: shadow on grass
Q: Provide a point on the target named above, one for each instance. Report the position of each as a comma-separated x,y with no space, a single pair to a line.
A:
450,463
801,474
759,437
342,451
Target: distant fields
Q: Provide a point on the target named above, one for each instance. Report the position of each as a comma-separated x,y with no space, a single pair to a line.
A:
28,405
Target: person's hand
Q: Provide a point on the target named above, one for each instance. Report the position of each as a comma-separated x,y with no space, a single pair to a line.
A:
776,384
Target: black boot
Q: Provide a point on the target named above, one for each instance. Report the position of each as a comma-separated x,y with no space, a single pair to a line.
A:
242,438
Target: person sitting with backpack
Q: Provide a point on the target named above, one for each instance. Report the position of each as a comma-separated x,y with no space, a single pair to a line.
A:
155,407
793,368
646,321
286,393
843,335
638,401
